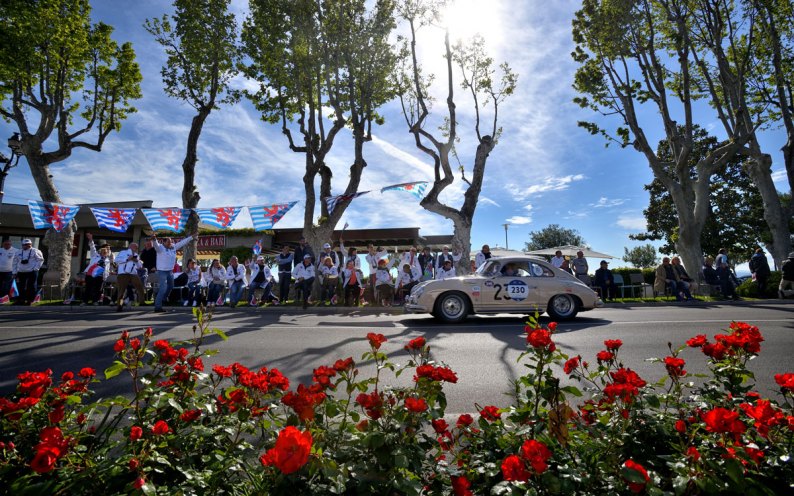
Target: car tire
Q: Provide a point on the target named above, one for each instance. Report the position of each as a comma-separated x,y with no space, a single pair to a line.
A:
562,307
451,307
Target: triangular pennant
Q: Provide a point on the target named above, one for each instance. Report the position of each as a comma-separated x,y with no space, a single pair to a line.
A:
265,217
54,215
115,219
166,219
221,217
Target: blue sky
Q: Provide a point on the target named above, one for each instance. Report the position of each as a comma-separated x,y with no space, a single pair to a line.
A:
544,170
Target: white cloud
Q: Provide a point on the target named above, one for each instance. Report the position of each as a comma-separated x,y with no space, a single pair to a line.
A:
605,202
519,220
632,222
548,184
488,201
780,177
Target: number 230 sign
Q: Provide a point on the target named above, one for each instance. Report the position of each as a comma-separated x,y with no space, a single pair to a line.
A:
515,290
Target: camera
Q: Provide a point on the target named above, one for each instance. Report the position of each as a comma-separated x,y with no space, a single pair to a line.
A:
23,261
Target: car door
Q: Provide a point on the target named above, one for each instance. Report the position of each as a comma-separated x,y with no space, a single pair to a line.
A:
508,293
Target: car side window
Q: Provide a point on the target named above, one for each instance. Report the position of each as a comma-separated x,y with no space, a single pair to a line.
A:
541,270
491,269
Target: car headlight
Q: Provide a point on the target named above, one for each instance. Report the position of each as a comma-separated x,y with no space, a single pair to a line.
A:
416,293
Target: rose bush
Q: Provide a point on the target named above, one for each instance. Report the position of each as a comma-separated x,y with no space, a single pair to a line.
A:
185,430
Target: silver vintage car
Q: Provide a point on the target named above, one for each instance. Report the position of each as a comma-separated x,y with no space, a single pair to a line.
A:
520,284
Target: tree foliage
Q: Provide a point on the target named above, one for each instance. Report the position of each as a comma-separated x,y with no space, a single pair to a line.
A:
320,66
551,236
487,85
735,219
65,84
200,39
643,256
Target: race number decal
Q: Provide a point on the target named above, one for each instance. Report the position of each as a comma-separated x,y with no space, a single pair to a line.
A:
516,290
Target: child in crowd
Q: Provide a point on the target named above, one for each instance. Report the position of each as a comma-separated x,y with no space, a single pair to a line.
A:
351,281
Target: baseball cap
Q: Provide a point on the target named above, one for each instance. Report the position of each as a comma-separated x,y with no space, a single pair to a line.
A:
326,245
306,256
260,258
27,242
604,262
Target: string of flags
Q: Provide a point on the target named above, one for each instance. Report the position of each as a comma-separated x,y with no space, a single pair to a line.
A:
47,215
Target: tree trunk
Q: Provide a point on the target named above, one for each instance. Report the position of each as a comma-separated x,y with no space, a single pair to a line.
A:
759,170
461,243
190,194
59,244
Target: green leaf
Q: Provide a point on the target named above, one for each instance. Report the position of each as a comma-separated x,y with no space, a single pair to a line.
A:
220,333
114,369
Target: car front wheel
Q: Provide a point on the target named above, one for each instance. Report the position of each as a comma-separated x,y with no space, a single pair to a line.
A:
562,307
451,307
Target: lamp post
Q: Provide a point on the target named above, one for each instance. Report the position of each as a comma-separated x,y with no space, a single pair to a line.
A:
15,144
505,226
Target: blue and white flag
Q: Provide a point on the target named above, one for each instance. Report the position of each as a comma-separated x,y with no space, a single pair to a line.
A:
221,217
257,249
115,219
265,217
54,215
332,201
416,188
167,219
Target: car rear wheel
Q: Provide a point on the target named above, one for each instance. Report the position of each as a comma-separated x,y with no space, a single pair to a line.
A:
562,307
451,307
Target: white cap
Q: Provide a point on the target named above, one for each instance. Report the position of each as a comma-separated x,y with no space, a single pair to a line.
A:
326,245
27,242
260,258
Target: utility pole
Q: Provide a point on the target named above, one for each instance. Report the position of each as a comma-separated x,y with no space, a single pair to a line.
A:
505,226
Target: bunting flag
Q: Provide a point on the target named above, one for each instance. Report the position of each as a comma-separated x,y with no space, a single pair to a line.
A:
265,217
115,219
332,201
14,291
166,219
54,215
37,298
257,249
219,301
416,188
221,217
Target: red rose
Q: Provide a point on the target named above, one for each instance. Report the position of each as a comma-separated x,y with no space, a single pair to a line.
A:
460,486
680,426
34,384
490,413
375,340
539,338
44,460
638,472
785,381
139,482
135,343
190,415
513,469
416,344
537,454
67,376
134,464
119,346
693,453
722,420
571,364
372,404
605,356
136,433
416,405
755,454
675,366
160,428
87,373
439,425
697,341
552,326
613,344
291,451
464,420
342,365
222,371
715,351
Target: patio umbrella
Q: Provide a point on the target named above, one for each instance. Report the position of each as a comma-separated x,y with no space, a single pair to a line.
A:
501,252
570,251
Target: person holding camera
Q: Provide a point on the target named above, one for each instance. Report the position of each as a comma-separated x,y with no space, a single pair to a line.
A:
128,266
27,263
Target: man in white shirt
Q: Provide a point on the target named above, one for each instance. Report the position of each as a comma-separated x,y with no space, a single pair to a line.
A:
7,254
304,278
412,258
166,259
482,256
235,274
27,263
262,279
557,259
446,271
445,256
128,266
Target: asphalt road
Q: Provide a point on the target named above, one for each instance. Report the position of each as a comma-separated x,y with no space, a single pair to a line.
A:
482,350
